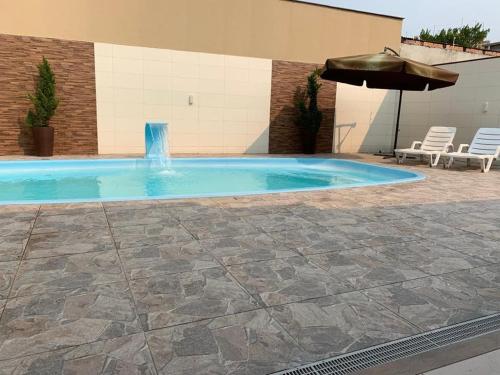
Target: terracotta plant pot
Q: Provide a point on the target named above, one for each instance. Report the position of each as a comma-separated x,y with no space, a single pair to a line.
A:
309,142
43,138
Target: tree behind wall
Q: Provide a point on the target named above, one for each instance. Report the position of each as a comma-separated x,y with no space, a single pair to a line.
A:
466,36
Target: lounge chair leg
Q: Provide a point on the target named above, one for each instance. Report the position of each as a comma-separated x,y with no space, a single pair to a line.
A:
435,161
450,163
488,166
483,165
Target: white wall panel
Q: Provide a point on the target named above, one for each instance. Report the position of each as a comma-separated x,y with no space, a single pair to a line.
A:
365,118
461,106
230,112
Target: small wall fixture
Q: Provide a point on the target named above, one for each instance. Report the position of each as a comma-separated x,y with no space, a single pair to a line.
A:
485,107
190,99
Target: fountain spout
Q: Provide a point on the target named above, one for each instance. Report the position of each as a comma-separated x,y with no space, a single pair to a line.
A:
156,138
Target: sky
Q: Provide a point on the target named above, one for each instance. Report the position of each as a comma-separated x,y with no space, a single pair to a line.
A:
431,14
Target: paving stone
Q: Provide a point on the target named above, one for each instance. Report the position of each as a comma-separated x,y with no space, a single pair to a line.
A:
430,257
141,217
196,211
440,212
71,222
12,247
485,224
250,207
438,301
330,217
54,274
329,326
377,234
383,214
167,300
244,249
278,222
473,245
365,267
65,243
115,206
315,240
7,273
250,343
145,235
427,229
156,260
19,211
16,225
40,323
286,280
123,355
70,208
219,227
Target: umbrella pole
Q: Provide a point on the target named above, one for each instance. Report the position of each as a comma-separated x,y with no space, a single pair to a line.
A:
397,123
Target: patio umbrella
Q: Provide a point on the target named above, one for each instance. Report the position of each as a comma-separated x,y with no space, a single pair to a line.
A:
388,71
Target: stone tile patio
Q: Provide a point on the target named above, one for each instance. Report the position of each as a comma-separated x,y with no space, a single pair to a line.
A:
244,285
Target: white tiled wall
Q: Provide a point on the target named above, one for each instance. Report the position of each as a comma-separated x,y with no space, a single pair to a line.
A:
364,119
461,106
231,99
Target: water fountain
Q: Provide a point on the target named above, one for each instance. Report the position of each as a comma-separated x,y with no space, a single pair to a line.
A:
157,148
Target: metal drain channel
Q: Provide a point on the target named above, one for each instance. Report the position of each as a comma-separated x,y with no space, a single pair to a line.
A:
395,350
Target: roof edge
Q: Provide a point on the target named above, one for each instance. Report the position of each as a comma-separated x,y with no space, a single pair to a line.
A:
467,61
311,2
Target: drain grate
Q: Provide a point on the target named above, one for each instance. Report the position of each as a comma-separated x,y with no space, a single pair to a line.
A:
404,348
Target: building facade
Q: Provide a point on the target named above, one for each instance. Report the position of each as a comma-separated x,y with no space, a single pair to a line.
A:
221,73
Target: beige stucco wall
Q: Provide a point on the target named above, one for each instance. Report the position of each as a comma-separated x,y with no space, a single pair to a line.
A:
461,106
274,29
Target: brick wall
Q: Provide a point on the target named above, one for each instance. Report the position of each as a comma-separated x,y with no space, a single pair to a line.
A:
284,134
75,121
449,47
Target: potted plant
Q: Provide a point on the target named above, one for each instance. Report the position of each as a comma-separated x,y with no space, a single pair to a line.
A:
309,116
44,103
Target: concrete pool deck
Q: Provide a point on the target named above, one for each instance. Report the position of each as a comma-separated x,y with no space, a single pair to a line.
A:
244,285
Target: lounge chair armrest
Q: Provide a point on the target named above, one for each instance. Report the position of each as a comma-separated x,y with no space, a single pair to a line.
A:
497,153
449,147
415,144
462,146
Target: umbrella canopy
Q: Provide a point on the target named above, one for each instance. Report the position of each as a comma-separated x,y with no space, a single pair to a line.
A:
386,71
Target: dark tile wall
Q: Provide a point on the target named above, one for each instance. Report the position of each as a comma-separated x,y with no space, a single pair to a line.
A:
284,135
75,122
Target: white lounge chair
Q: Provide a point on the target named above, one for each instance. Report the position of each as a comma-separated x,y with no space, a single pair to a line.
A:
485,147
437,141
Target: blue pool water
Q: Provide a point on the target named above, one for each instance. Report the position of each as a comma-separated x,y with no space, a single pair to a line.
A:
50,181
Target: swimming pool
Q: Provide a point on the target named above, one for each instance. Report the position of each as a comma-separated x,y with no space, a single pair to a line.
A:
86,180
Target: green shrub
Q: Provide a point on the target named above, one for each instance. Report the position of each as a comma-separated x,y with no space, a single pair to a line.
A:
44,98
306,102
